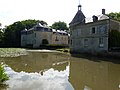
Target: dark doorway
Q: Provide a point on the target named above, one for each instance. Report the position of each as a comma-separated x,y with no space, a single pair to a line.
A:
45,42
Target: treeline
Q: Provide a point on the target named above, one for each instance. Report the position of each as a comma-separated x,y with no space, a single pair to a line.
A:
10,36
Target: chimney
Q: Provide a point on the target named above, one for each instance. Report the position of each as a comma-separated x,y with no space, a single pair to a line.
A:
103,11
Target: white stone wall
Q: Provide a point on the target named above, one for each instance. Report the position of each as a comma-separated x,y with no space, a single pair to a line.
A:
87,38
40,36
35,39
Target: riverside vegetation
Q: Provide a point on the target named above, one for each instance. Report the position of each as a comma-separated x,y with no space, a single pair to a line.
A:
9,52
67,50
3,75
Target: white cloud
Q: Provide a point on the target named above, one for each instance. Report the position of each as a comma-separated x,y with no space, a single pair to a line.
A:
51,80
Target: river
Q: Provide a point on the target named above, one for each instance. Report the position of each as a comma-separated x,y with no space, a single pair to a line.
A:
58,71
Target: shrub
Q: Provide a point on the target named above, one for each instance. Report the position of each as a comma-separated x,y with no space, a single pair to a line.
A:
3,75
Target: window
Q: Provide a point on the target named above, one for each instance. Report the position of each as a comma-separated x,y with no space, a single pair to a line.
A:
78,32
93,30
56,39
39,28
101,42
46,29
85,42
102,29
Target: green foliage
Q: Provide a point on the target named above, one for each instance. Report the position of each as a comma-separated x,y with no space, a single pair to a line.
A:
115,15
1,37
59,26
12,34
64,50
3,75
114,38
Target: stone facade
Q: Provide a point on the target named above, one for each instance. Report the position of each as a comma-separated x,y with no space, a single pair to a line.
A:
43,35
91,37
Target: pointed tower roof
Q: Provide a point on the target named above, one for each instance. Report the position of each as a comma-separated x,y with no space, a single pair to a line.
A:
79,17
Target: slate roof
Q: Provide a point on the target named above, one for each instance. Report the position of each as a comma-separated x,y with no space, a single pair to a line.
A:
79,18
100,17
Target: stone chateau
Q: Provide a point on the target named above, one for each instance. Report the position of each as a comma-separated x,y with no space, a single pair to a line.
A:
43,35
100,34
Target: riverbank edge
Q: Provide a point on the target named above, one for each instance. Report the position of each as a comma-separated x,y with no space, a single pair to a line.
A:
108,55
15,52
12,52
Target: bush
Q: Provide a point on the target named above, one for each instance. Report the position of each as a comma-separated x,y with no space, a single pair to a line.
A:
3,75
64,50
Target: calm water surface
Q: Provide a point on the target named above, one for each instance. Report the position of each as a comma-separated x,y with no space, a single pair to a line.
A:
56,71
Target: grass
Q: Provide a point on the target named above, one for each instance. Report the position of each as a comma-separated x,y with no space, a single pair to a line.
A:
11,52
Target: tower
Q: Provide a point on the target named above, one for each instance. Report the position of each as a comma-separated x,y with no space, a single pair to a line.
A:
79,17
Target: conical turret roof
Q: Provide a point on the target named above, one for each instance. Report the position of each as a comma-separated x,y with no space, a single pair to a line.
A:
79,17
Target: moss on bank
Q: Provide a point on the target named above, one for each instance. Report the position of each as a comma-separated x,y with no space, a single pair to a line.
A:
12,52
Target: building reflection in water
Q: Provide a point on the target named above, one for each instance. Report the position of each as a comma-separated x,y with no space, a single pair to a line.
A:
90,75
36,62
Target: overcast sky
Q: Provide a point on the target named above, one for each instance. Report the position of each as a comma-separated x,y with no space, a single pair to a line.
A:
52,10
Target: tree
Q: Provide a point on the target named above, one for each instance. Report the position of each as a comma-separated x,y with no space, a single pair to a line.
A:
12,34
59,26
115,15
1,36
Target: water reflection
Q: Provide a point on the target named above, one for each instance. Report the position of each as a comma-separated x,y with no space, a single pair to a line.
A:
38,71
89,75
36,62
55,71
50,80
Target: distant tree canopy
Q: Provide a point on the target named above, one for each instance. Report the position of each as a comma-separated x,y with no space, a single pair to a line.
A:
59,26
1,35
115,15
12,34
114,38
